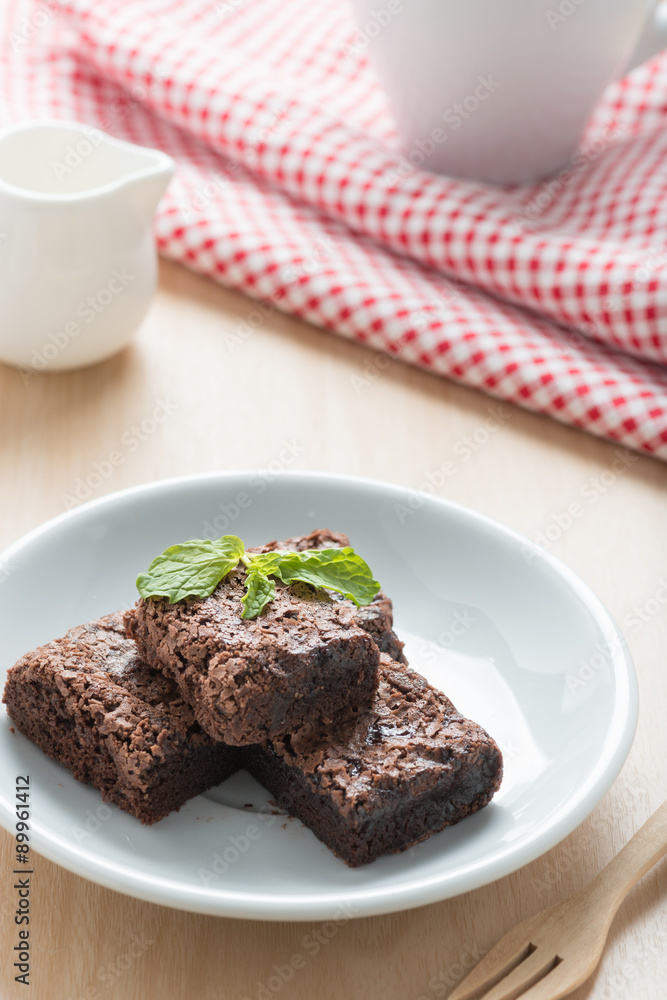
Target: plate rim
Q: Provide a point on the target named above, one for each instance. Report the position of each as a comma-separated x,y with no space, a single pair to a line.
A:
366,901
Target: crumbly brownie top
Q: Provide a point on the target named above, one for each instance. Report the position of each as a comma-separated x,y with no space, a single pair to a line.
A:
321,538
300,619
98,666
376,618
401,742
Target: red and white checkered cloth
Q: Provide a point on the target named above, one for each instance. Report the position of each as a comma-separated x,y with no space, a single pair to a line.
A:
290,187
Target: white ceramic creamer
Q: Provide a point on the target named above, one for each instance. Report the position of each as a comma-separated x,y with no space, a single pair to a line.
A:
77,255
500,90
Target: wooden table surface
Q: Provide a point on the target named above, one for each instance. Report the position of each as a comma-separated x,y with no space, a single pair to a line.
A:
349,414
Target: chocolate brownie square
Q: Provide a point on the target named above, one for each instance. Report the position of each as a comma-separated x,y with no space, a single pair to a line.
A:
384,776
376,618
89,701
307,657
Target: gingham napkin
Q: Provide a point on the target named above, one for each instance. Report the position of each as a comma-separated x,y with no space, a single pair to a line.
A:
290,187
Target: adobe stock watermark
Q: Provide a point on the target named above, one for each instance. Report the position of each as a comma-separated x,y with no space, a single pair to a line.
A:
75,153
620,286
372,371
223,9
562,863
259,481
263,309
310,945
565,9
443,983
231,850
236,846
631,279
85,313
109,973
120,107
209,191
130,441
380,18
454,117
437,309
7,567
617,984
261,135
458,625
566,858
30,26
322,250
432,313
588,668
590,492
549,190
91,824
633,621
464,449
657,258
641,614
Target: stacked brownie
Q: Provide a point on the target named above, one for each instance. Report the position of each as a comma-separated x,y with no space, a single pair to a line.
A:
386,775
313,697
91,703
306,658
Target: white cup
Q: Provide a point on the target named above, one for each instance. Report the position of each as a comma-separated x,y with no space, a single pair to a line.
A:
500,90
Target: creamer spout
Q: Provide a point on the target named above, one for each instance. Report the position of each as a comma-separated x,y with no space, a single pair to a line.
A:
55,161
146,186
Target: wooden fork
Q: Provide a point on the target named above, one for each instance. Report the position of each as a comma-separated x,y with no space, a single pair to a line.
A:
549,955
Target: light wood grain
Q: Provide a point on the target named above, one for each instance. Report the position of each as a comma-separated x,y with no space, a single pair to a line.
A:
400,425
552,952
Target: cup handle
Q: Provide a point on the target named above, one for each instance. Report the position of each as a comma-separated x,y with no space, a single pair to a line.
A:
653,38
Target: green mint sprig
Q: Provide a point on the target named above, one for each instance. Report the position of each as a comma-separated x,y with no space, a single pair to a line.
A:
195,568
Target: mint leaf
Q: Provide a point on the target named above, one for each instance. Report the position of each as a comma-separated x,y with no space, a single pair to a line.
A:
341,570
196,567
265,562
259,592
191,569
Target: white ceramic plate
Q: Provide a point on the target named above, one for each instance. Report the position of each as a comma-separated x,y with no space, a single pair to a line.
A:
512,636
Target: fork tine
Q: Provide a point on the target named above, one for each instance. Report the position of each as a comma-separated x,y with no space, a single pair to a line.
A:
559,983
502,977
497,962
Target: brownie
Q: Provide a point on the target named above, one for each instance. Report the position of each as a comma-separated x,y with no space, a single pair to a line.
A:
88,701
382,778
376,618
309,655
